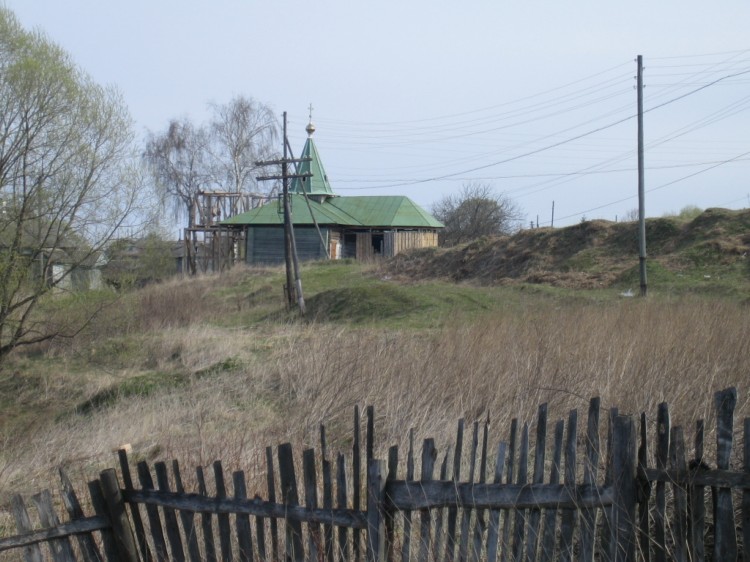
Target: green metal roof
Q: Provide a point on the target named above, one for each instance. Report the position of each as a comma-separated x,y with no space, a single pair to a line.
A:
370,211
273,213
318,183
386,210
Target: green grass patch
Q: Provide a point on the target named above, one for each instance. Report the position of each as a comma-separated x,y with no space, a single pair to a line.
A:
376,301
146,384
139,385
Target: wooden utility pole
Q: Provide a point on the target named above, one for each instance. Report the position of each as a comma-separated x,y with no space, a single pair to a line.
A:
293,288
641,185
288,232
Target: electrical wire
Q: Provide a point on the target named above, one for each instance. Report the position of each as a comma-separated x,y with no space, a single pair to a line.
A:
662,186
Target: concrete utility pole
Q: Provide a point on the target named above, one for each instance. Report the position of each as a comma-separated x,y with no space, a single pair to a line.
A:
293,288
552,223
641,188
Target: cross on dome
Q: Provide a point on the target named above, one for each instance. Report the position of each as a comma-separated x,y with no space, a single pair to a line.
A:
310,127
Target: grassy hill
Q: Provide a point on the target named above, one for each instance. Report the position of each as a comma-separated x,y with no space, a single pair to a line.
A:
215,367
708,253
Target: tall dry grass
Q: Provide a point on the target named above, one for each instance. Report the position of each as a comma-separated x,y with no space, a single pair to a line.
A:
633,354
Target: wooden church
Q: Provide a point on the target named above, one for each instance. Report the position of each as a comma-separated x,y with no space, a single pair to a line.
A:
330,226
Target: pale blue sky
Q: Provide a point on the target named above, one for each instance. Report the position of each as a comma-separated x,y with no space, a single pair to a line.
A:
409,91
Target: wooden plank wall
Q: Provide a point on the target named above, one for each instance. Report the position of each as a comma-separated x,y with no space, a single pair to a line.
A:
395,242
365,251
401,240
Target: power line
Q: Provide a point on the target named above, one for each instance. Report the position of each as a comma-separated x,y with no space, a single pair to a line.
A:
561,174
562,142
662,186
524,98
568,140
700,55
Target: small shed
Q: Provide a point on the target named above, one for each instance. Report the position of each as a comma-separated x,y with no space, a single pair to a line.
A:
327,225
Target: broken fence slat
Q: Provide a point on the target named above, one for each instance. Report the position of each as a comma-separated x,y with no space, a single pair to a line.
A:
242,520
590,475
310,480
341,503
295,549
390,519
170,517
644,489
725,544
547,553
505,552
679,510
209,545
520,512
406,544
273,524
86,544
429,455
463,545
663,429
535,513
187,518
450,543
493,531
356,482
697,498
480,523
135,514
441,513
61,549
225,531
607,546
154,519
568,516
327,498
32,552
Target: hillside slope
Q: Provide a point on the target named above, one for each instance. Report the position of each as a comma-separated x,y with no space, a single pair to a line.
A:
713,246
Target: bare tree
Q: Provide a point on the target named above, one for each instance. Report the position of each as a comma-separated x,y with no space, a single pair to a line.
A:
476,211
68,179
242,132
186,159
179,165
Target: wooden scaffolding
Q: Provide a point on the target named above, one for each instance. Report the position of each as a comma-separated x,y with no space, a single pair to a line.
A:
210,245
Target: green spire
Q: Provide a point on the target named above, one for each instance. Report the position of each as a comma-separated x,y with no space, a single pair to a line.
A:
318,183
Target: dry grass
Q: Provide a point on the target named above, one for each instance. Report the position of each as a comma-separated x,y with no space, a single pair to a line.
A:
283,382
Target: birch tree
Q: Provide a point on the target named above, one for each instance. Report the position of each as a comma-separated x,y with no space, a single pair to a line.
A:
68,177
242,132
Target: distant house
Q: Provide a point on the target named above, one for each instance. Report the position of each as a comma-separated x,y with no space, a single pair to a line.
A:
72,269
327,225
139,261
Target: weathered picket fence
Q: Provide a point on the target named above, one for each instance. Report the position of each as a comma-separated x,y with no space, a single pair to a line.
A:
581,502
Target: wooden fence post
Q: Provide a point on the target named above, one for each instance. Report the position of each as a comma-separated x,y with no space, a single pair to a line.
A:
294,546
376,547
120,524
725,541
623,480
